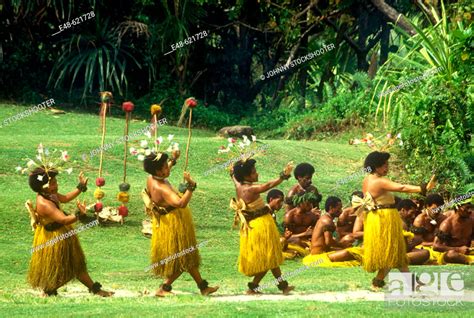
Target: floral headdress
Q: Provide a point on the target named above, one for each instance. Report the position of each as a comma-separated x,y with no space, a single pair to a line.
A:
51,161
241,150
152,145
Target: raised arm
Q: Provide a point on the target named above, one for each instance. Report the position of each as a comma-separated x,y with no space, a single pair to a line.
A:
171,198
260,188
388,185
174,157
82,186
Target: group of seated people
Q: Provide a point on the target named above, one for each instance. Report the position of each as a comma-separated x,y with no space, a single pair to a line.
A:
334,237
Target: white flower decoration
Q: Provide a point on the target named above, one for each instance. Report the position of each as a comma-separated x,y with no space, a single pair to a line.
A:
170,137
143,143
18,168
38,157
148,134
147,152
40,148
399,135
401,143
159,141
69,171
30,163
254,138
133,150
64,155
141,157
40,178
223,150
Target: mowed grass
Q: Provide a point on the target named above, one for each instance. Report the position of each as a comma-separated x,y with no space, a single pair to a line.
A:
118,255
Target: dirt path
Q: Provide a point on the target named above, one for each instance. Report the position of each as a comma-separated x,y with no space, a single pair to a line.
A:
346,296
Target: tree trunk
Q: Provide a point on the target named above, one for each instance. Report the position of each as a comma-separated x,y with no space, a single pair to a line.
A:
394,16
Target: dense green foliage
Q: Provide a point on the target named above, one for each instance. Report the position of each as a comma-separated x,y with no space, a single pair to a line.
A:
128,48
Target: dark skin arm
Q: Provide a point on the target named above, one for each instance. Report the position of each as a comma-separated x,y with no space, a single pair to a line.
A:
328,238
48,209
441,246
171,198
260,188
419,223
74,193
358,230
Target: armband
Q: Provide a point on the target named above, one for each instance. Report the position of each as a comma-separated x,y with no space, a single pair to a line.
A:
444,237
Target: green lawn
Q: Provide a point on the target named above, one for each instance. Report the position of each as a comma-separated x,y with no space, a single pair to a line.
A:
118,255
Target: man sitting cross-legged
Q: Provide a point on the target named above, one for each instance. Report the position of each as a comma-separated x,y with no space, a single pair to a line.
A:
299,223
454,237
428,221
327,251
408,211
426,225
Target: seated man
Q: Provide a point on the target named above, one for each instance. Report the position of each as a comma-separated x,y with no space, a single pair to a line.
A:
275,200
426,224
408,212
325,250
345,222
453,239
304,174
299,223
416,256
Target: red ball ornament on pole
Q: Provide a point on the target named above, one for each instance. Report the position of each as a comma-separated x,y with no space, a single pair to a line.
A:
98,207
191,102
128,107
100,182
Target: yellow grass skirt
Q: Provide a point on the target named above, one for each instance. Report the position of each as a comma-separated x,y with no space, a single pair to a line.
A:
384,243
260,248
171,241
322,260
296,248
56,263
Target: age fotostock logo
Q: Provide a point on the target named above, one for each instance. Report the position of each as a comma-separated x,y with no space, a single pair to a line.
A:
442,288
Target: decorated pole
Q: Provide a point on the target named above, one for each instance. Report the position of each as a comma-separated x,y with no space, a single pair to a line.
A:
155,112
105,99
123,195
191,103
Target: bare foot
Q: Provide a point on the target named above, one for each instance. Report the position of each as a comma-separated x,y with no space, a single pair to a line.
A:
287,290
253,292
376,288
209,290
163,293
103,293
45,294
